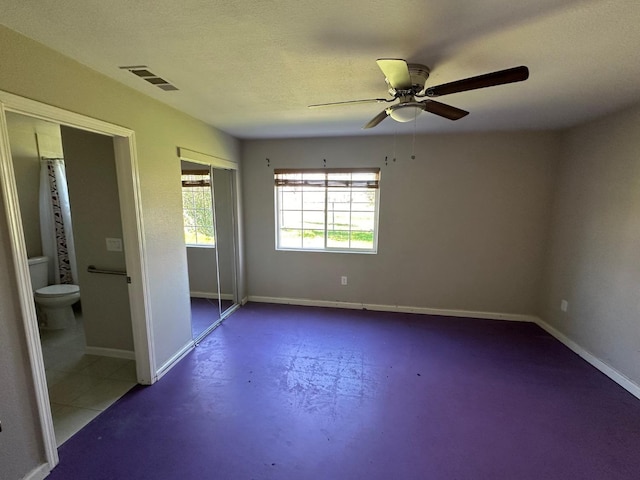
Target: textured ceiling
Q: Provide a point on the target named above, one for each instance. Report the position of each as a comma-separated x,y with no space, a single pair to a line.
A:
251,68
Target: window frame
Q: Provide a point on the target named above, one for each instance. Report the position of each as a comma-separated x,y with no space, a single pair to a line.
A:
371,184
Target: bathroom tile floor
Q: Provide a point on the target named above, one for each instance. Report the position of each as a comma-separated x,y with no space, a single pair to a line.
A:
81,386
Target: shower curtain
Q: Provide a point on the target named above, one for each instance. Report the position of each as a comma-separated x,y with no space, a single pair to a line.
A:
55,222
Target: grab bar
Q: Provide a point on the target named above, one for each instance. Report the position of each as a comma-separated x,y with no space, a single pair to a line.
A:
93,269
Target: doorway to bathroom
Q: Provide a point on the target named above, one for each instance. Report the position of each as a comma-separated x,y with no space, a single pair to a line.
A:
123,151
68,197
209,198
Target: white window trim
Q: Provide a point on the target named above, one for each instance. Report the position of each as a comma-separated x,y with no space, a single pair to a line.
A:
372,251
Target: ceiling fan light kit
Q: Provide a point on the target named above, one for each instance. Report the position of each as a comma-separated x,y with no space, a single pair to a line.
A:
404,112
406,82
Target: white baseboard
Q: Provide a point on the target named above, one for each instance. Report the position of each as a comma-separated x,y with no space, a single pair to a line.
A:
223,296
396,308
622,380
172,362
110,352
39,473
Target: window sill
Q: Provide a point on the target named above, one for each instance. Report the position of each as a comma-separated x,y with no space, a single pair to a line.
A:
308,250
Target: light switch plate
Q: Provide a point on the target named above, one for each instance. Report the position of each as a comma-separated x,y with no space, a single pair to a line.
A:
114,244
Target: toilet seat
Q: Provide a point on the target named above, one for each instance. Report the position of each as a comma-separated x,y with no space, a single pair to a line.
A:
57,290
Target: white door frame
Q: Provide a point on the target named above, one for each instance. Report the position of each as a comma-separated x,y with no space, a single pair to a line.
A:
133,238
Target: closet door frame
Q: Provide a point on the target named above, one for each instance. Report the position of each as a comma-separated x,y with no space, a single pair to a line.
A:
213,163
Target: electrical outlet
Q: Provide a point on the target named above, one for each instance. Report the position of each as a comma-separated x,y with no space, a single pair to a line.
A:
564,305
343,280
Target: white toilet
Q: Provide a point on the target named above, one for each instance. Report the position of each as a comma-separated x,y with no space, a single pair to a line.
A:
53,302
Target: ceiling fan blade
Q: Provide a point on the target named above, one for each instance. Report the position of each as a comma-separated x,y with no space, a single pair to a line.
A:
396,72
352,102
516,74
446,111
377,119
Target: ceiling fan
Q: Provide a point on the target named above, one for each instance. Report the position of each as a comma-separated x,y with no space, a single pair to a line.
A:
406,82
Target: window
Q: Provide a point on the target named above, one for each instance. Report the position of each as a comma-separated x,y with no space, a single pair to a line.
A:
197,208
327,210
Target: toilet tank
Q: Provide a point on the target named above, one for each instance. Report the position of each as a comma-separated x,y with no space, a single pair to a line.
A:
39,272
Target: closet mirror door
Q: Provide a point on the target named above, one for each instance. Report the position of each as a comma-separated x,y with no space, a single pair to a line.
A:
224,196
201,245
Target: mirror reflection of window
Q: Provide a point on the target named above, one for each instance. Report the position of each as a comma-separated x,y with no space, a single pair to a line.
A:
197,208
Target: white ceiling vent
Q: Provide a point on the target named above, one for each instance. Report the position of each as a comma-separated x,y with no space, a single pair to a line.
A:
144,73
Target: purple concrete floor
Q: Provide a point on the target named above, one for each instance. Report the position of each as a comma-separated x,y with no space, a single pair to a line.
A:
284,392
204,312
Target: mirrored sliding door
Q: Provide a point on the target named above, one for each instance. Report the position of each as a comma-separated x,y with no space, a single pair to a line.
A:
209,199
223,187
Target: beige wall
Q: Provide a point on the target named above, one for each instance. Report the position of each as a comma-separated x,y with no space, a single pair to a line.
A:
594,259
24,135
33,71
21,447
95,209
203,279
463,226
36,72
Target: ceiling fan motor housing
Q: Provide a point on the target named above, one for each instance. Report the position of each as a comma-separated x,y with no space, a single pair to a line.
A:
419,75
